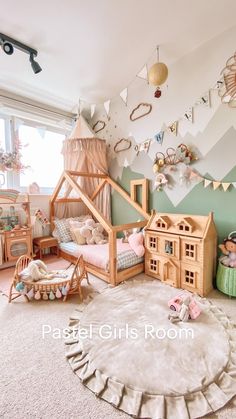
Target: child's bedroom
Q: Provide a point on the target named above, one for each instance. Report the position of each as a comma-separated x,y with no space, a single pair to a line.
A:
117,209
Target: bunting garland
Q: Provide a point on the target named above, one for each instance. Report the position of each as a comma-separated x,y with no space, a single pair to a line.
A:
203,100
216,184
172,128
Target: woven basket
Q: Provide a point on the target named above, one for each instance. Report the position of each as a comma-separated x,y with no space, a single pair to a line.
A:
226,280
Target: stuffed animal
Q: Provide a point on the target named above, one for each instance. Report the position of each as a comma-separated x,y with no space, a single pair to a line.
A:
183,314
228,248
97,235
126,233
93,232
37,270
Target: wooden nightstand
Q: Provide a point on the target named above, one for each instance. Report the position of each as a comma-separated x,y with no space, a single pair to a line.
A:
45,242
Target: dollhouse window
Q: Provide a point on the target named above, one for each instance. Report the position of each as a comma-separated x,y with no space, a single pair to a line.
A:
184,227
190,278
169,247
190,251
153,242
153,265
160,224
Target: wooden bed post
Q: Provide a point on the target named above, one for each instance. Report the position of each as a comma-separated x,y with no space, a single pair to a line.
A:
112,257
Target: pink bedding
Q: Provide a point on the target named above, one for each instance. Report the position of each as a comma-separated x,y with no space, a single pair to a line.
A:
97,255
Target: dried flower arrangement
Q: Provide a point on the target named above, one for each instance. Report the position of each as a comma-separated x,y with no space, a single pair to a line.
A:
11,160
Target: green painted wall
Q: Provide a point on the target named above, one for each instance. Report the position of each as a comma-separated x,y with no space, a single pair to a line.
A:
199,201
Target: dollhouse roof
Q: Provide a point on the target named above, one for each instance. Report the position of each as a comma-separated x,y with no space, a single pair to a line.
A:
201,225
186,220
165,219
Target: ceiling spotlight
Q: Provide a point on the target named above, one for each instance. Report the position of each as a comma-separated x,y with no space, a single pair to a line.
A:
8,48
8,45
35,66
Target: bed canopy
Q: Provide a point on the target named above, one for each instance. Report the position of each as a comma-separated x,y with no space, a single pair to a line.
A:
85,153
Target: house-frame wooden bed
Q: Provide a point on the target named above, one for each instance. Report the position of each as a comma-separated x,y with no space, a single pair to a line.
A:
113,276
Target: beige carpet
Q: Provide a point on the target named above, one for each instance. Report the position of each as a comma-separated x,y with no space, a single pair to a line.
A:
35,379
171,374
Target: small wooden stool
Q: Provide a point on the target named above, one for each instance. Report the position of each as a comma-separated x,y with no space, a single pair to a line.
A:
45,242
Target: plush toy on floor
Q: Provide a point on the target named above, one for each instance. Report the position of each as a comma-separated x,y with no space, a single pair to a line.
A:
37,270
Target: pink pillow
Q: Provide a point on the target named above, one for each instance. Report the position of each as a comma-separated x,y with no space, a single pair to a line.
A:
136,243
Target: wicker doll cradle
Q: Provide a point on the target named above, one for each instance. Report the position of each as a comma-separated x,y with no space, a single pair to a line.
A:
48,289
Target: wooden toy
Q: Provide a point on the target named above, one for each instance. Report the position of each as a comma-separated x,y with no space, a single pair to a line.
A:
181,250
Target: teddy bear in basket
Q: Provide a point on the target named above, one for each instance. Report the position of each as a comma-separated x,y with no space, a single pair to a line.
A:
228,248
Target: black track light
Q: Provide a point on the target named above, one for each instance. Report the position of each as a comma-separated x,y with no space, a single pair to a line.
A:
8,45
35,66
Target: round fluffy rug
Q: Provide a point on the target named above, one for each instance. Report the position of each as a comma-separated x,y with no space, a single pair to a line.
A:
124,348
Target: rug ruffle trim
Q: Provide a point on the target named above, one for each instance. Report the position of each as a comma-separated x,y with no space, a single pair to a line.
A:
143,405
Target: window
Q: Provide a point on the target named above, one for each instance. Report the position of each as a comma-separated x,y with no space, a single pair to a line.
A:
169,247
160,224
190,278
41,150
184,227
153,265
190,250
153,243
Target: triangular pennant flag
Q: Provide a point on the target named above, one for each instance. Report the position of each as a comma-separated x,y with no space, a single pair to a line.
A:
173,128
159,137
207,182
216,185
189,114
204,100
92,109
124,95
234,184
41,131
225,185
193,175
126,163
145,146
107,106
143,74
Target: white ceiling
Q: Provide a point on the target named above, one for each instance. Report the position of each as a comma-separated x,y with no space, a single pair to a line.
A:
93,48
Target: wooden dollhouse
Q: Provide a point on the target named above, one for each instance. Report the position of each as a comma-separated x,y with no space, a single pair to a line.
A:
181,250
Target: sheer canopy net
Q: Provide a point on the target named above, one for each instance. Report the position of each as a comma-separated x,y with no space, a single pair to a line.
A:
84,153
